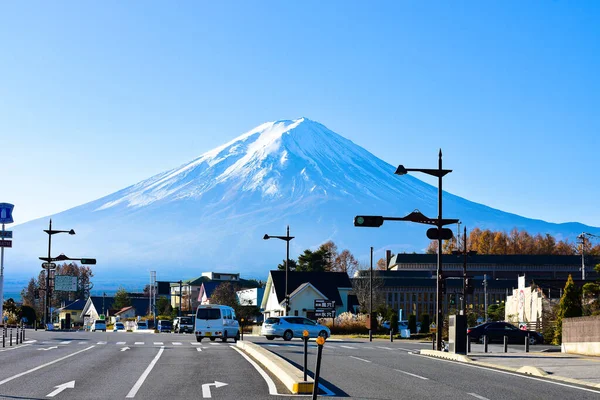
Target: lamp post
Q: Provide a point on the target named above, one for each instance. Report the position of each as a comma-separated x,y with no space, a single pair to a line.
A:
466,284
287,238
50,232
371,298
439,173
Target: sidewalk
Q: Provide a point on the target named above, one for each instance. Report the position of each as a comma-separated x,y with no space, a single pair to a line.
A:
568,368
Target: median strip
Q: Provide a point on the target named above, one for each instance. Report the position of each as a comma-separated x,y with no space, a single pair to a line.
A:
290,376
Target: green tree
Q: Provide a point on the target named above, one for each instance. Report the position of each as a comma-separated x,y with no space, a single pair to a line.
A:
496,312
394,322
591,298
27,313
310,261
425,321
122,299
412,323
28,293
292,265
163,306
569,307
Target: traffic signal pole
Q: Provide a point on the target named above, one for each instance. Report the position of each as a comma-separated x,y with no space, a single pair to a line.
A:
440,277
47,291
463,306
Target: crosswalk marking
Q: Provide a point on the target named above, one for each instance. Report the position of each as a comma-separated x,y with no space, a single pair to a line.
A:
101,343
385,348
195,344
65,342
158,343
120,343
215,344
348,347
140,343
176,343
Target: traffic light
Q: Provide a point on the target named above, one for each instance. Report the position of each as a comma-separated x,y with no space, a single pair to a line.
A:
469,289
453,298
371,221
88,261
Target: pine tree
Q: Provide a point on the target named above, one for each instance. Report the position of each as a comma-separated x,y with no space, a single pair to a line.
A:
122,299
569,307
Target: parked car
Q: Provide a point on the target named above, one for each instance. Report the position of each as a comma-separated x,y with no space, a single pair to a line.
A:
495,331
118,326
98,325
401,325
164,325
141,326
183,324
216,321
290,327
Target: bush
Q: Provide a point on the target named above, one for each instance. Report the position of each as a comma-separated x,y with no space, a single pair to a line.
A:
394,322
412,323
347,323
425,323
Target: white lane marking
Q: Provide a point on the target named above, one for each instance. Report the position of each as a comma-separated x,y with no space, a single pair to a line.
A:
176,343
101,343
348,347
143,377
140,343
30,341
478,396
368,347
385,348
206,388
409,350
65,342
266,377
198,348
49,348
120,343
508,373
195,344
361,359
158,343
214,344
60,388
124,348
18,347
416,376
43,365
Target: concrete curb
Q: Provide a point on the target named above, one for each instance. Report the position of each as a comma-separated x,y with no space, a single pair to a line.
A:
526,370
290,376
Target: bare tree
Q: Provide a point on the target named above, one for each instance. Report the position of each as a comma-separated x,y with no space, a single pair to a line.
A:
361,288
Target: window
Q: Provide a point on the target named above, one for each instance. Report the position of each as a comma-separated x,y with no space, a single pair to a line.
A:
272,321
296,313
208,313
309,322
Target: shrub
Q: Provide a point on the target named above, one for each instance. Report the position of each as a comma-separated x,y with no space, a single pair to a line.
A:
347,323
425,323
412,323
394,322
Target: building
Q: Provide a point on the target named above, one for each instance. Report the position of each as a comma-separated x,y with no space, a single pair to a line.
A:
71,314
125,313
251,297
304,288
96,306
409,284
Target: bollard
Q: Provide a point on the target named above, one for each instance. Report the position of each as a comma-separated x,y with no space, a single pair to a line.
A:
305,339
433,341
485,343
17,334
22,335
468,344
506,344
320,342
391,335
10,342
370,335
3,340
35,324
527,343
242,333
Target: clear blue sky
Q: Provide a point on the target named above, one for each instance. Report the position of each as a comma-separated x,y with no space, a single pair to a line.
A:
96,97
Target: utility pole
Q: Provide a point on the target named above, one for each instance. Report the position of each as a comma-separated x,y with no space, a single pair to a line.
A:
371,298
180,292
485,296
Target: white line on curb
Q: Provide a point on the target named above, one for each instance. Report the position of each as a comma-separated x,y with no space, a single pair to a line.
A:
142,378
266,377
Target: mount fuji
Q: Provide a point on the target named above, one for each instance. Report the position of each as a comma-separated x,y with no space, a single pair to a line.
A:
212,213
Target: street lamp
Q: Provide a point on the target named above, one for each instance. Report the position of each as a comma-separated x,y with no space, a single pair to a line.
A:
439,173
50,232
287,238
466,284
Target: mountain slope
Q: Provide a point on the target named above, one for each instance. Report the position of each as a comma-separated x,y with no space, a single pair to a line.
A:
211,213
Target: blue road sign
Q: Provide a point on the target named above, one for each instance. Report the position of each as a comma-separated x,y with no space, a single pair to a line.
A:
6,213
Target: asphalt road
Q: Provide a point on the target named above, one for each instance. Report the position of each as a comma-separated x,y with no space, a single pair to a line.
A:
98,365
384,370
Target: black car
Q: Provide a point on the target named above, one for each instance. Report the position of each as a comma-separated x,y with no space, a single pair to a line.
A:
495,331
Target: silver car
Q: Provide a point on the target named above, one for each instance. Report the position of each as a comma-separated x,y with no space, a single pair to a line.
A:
290,327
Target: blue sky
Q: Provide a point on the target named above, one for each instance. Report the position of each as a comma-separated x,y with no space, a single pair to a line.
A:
96,97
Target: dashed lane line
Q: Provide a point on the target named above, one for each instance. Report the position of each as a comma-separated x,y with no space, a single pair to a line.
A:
348,347
416,376
361,359
478,396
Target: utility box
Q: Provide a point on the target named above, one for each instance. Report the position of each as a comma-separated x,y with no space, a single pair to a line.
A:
457,334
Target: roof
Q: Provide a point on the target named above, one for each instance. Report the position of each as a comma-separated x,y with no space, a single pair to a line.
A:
141,304
124,309
327,283
506,259
304,286
76,305
210,286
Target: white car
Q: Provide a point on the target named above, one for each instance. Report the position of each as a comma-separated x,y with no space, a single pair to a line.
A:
216,321
290,327
98,325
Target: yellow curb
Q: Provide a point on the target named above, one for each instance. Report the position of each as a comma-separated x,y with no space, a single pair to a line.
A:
290,376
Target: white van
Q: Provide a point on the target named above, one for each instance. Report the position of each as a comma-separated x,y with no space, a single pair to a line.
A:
215,321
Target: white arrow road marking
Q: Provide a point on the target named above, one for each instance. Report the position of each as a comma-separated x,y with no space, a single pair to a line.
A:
60,388
206,388
2,382
142,378
124,348
49,348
